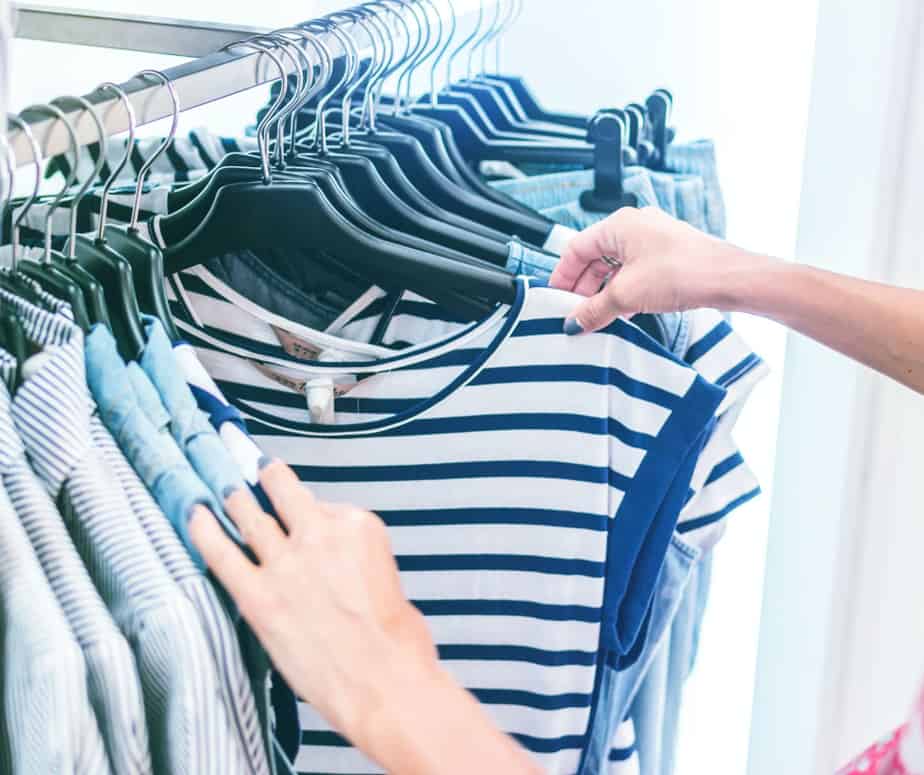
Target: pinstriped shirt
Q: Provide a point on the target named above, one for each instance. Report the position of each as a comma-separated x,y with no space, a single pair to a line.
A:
48,724
188,722
198,589
113,682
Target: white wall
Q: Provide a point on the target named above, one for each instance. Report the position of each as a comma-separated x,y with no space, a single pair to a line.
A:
843,624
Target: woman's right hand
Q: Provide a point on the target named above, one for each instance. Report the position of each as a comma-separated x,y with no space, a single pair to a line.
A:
666,266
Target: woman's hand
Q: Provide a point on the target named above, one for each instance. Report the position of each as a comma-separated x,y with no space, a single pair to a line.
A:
326,603
666,266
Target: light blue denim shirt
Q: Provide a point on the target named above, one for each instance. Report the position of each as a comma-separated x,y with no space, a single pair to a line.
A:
188,425
159,463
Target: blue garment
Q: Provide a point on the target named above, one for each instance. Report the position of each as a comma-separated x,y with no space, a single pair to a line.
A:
190,428
161,465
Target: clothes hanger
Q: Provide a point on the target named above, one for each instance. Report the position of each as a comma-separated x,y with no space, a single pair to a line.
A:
145,259
93,294
445,192
288,215
12,335
528,103
112,270
379,184
488,94
43,272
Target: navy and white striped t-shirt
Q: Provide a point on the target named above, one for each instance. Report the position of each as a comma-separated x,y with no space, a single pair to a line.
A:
531,483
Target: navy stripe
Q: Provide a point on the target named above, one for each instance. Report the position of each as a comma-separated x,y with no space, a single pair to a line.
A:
181,168
692,524
703,345
484,469
462,653
543,517
195,284
550,745
729,464
525,421
558,566
621,329
531,699
596,375
543,611
328,739
621,754
200,149
737,372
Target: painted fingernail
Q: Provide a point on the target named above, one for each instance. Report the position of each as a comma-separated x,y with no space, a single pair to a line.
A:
263,462
573,327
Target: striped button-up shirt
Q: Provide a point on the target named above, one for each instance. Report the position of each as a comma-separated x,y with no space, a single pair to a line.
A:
188,722
112,679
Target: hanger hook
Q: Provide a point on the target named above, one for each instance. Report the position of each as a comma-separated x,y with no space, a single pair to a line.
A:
23,127
375,12
374,91
97,168
130,144
453,22
314,29
482,41
419,54
146,167
516,9
496,35
357,78
427,52
462,46
263,126
351,54
57,113
310,82
299,66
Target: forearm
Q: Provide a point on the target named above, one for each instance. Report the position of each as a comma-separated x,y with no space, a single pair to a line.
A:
431,725
878,325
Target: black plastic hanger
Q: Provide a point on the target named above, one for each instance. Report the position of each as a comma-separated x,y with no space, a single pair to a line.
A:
289,216
146,260
111,269
25,275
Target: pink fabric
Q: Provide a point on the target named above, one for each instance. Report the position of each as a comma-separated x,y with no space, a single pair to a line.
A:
902,753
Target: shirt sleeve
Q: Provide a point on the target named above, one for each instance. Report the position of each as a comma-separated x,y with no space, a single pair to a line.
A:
722,480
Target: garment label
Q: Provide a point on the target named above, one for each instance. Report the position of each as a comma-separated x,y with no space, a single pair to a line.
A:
320,391
295,346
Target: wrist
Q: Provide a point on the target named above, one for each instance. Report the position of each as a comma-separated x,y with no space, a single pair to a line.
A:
740,280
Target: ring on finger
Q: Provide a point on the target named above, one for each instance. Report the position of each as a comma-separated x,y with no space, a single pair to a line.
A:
613,263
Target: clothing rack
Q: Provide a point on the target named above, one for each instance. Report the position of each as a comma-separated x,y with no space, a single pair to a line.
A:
212,76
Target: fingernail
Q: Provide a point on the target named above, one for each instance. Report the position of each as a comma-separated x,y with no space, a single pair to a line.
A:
263,462
573,327
228,492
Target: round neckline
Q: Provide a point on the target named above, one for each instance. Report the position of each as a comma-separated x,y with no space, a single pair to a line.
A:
504,318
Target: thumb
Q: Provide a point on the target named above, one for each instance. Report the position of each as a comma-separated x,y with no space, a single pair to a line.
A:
603,308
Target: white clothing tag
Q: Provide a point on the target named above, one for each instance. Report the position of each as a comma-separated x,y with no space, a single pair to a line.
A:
319,395
559,238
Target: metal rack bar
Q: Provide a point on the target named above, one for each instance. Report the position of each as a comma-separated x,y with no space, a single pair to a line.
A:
150,34
198,82
208,78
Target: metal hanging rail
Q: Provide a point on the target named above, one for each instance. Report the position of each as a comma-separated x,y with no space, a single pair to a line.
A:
210,77
149,34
